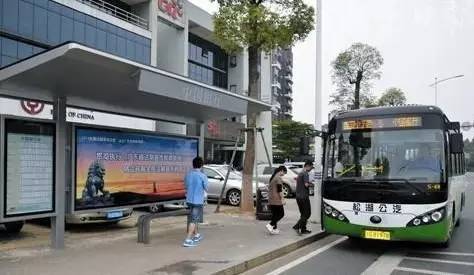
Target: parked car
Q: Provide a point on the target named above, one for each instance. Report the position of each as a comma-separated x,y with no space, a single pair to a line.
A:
264,173
232,193
104,216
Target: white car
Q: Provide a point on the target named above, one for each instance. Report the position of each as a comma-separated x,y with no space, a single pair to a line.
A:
232,193
264,173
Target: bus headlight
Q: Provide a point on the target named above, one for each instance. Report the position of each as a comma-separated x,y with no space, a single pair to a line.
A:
333,213
431,217
436,216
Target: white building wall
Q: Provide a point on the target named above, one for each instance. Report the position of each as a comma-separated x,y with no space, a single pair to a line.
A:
264,119
172,43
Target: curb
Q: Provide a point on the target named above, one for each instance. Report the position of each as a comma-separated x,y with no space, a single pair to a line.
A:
269,256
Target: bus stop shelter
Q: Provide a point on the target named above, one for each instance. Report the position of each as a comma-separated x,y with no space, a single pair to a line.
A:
74,75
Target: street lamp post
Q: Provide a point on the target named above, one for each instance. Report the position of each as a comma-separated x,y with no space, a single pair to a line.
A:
316,201
435,84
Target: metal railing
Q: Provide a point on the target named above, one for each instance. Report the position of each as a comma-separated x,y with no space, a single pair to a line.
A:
116,12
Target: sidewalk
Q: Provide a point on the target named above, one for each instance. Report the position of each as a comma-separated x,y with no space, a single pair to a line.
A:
231,242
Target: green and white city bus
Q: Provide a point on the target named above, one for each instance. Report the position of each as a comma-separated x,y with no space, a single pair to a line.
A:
393,173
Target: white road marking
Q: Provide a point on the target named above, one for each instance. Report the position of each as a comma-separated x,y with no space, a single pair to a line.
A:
384,264
439,261
307,257
443,253
424,271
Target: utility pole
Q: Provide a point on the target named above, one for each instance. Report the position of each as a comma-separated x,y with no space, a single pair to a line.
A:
316,201
435,84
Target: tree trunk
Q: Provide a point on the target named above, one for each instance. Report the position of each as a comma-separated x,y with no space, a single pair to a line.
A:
357,91
246,204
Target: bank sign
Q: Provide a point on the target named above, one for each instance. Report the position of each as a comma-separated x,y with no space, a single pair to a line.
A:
172,11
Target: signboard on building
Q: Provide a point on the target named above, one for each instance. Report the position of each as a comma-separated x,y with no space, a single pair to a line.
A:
172,11
29,173
223,130
116,168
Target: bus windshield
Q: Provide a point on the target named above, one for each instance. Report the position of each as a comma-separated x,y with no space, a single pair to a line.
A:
413,155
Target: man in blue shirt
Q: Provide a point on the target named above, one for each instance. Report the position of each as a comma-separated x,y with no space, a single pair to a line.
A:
195,183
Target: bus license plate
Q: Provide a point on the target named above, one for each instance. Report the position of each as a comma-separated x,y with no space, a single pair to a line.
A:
377,235
114,214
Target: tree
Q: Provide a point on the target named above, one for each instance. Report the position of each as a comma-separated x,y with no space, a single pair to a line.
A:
392,97
353,70
259,25
287,136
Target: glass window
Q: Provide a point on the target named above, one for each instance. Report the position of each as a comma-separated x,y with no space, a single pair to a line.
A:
42,3
79,17
101,25
101,40
40,24
130,49
10,15
111,43
379,155
37,50
139,55
54,28
7,60
9,47
92,21
210,173
24,50
53,6
147,54
79,33
25,27
68,12
67,29
90,36
121,46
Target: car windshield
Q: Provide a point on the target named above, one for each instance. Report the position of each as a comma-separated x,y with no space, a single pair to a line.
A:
414,155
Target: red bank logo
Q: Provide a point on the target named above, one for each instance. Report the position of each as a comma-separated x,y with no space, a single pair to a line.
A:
213,128
174,8
32,107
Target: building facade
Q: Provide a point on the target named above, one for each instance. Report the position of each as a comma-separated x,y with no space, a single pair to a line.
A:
172,35
282,84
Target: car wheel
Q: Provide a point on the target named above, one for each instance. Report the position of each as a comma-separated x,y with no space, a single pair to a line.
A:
286,191
155,208
233,197
13,227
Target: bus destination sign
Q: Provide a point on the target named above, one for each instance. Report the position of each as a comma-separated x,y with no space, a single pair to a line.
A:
380,123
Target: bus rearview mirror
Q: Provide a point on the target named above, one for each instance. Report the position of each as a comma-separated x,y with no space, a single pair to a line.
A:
456,143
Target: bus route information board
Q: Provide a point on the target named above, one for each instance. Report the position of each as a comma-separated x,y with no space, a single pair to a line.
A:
29,173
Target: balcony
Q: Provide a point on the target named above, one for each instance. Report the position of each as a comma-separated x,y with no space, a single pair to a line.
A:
116,12
276,65
276,85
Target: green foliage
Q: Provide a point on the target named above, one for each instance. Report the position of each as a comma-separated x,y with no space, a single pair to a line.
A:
352,72
264,24
392,97
344,98
287,136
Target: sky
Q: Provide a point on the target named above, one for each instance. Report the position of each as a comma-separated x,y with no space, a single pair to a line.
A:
418,39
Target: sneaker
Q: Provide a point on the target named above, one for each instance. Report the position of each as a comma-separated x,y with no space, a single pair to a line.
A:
275,232
189,243
269,228
197,238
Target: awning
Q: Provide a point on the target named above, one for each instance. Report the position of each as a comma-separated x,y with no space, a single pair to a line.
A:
93,79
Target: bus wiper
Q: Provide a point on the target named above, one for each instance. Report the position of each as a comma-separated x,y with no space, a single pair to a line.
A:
405,181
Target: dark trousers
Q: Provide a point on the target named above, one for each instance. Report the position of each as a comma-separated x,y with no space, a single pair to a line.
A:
277,214
304,206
